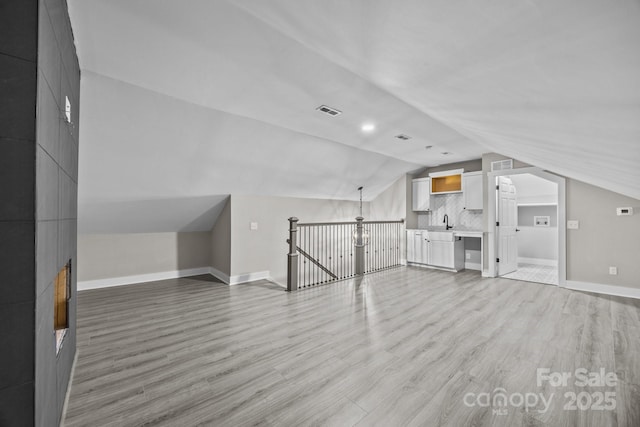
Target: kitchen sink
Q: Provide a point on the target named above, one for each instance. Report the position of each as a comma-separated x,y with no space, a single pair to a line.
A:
442,236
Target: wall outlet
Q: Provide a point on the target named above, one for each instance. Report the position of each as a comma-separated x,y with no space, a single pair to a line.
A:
613,271
468,255
253,226
573,225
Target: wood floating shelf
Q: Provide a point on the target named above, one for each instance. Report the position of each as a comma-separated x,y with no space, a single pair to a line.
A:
446,184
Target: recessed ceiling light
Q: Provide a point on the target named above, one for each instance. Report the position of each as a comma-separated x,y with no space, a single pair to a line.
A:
328,110
368,127
428,147
445,153
403,137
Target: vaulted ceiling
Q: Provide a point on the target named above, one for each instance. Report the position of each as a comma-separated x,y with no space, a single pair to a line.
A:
185,102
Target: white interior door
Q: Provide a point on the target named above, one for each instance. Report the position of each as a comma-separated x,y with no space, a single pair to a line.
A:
507,221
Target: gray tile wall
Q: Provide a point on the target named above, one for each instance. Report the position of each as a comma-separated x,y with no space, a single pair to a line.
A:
38,213
56,202
18,89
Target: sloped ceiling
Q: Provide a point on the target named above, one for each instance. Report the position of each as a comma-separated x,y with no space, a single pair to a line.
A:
189,101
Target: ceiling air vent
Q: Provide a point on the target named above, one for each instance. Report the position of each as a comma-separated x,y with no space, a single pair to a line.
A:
328,110
501,165
403,137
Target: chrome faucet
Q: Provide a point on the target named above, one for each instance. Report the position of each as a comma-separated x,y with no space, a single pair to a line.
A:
446,221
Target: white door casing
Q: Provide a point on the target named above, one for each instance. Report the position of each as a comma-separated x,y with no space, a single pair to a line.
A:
507,222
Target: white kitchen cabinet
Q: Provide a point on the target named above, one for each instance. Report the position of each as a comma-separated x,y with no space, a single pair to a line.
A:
426,248
438,249
472,189
411,252
421,196
446,251
414,246
441,254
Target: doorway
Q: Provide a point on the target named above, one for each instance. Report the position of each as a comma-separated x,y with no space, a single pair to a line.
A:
526,213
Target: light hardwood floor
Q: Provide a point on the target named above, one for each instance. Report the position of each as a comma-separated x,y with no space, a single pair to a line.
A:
401,347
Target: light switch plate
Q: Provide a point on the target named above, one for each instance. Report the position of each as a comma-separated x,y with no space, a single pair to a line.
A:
573,225
253,226
613,270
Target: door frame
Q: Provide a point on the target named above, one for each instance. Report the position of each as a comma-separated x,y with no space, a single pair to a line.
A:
562,218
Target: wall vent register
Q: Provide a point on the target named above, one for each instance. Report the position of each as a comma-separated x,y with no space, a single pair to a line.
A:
501,165
328,110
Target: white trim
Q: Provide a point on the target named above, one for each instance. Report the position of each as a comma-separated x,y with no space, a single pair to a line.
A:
223,277
446,173
152,277
538,261
249,277
141,278
620,291
473,265
562,223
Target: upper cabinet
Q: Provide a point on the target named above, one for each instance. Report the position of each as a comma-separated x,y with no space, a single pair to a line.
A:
472,187
421,197
446,182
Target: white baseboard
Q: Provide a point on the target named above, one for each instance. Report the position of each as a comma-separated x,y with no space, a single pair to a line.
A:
538,261
223,277
152,277
620,291
249,277
472,266
140,278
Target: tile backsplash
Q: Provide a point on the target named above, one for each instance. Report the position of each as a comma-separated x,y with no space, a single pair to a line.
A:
452,205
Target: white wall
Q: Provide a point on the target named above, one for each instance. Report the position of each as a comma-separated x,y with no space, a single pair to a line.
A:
391,204
538,243
603,238
108,256
265,249
221,241
533,189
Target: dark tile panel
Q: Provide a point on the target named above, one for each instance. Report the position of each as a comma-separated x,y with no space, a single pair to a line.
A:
67,91
47,178
70,63
16,406
17,262
68,193
18,81
19,28
68,152
64,365
45,361
17,338
49,58
17,179
67,243
47,266
49,119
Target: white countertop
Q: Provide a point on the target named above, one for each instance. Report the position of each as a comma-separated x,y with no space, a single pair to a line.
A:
457,231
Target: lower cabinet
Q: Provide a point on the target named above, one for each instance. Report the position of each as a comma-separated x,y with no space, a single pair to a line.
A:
438,253
416,251
447,254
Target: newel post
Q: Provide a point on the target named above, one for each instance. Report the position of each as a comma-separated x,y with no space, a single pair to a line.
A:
292,256
359,244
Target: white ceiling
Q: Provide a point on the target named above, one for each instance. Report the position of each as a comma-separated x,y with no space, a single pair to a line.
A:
206,98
